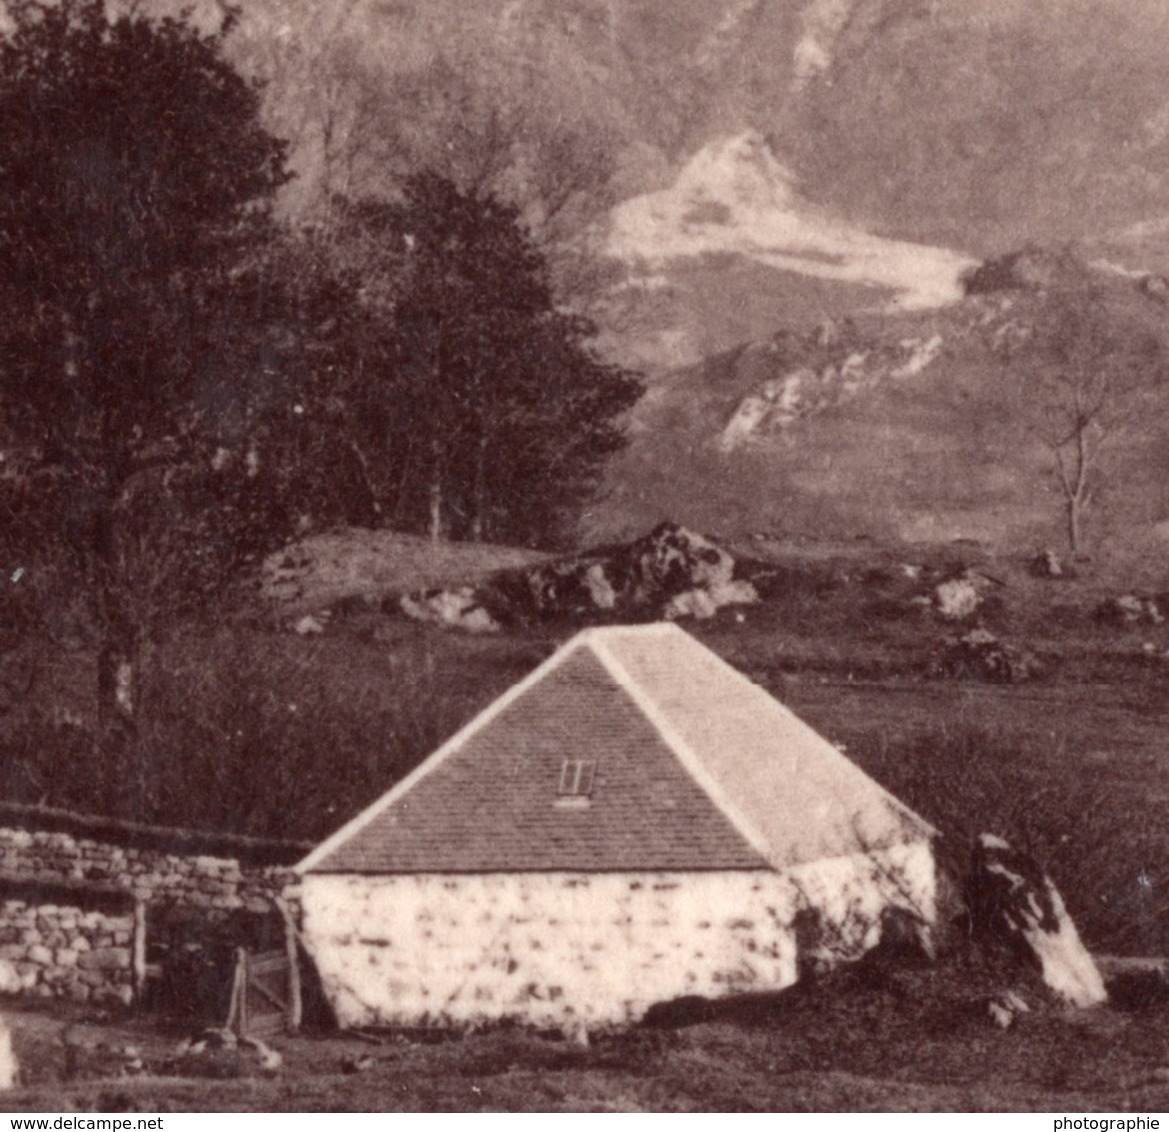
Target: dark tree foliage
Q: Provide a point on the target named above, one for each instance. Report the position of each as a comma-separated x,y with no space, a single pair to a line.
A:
135,177
493,413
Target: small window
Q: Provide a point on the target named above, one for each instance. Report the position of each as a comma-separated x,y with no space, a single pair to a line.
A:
576,778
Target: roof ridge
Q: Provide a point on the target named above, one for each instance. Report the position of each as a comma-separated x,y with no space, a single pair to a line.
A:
645,628
686,756
758,689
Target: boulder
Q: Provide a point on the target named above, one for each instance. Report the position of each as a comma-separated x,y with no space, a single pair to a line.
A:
104,959
957,599
642,575
1012,903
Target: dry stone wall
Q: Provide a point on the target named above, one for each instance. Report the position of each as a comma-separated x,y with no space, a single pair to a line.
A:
51,950
69,948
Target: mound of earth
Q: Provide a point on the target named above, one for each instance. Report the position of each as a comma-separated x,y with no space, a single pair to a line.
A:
323,569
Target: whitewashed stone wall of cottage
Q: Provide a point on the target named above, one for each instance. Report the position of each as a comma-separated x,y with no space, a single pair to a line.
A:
58,949
587,950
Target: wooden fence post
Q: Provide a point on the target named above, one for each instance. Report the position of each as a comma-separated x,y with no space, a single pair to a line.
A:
295,1000
138,954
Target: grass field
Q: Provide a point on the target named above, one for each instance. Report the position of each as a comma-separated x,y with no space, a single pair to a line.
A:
915,1039
270,732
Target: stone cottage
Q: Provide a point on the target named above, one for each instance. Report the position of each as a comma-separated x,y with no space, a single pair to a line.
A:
633,822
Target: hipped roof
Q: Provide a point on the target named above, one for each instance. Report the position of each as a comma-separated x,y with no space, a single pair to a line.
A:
697,768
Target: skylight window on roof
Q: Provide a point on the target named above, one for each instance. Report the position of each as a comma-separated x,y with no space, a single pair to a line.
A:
576,780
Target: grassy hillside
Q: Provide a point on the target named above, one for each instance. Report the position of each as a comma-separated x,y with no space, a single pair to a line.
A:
954,450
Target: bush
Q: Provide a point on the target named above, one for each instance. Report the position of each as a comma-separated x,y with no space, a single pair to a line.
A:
1106,851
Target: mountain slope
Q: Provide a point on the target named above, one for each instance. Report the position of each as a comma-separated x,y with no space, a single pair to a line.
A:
919,426
971,123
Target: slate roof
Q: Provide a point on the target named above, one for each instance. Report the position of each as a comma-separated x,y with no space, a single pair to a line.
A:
696,768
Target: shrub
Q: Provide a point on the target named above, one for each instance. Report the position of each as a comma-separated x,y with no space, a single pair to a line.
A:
1103,846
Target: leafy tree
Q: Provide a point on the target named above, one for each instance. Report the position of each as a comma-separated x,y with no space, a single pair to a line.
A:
495,413
135,181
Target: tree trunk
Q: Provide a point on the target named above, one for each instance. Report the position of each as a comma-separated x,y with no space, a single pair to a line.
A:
436,491
1073,518
117,658
478,518
436,509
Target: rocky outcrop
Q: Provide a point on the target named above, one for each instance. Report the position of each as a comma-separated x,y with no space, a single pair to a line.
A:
805,390
1013,904
669,573
1032,268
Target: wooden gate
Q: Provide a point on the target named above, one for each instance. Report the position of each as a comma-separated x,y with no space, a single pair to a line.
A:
265,994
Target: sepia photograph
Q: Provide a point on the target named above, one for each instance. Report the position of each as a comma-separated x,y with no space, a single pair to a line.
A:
584,556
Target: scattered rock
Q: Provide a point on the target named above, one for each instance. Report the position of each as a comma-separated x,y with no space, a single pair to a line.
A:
1131,609
216,1037
270,1060
1047,564
980,655
459,609
957,599
704,603
1155,287
1014,904
1005,1007
357,1063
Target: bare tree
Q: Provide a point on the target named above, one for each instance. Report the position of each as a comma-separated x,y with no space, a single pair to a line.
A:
1093,381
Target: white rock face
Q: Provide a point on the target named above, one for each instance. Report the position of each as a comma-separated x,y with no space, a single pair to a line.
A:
1013,900
803,391
735,197
822,21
